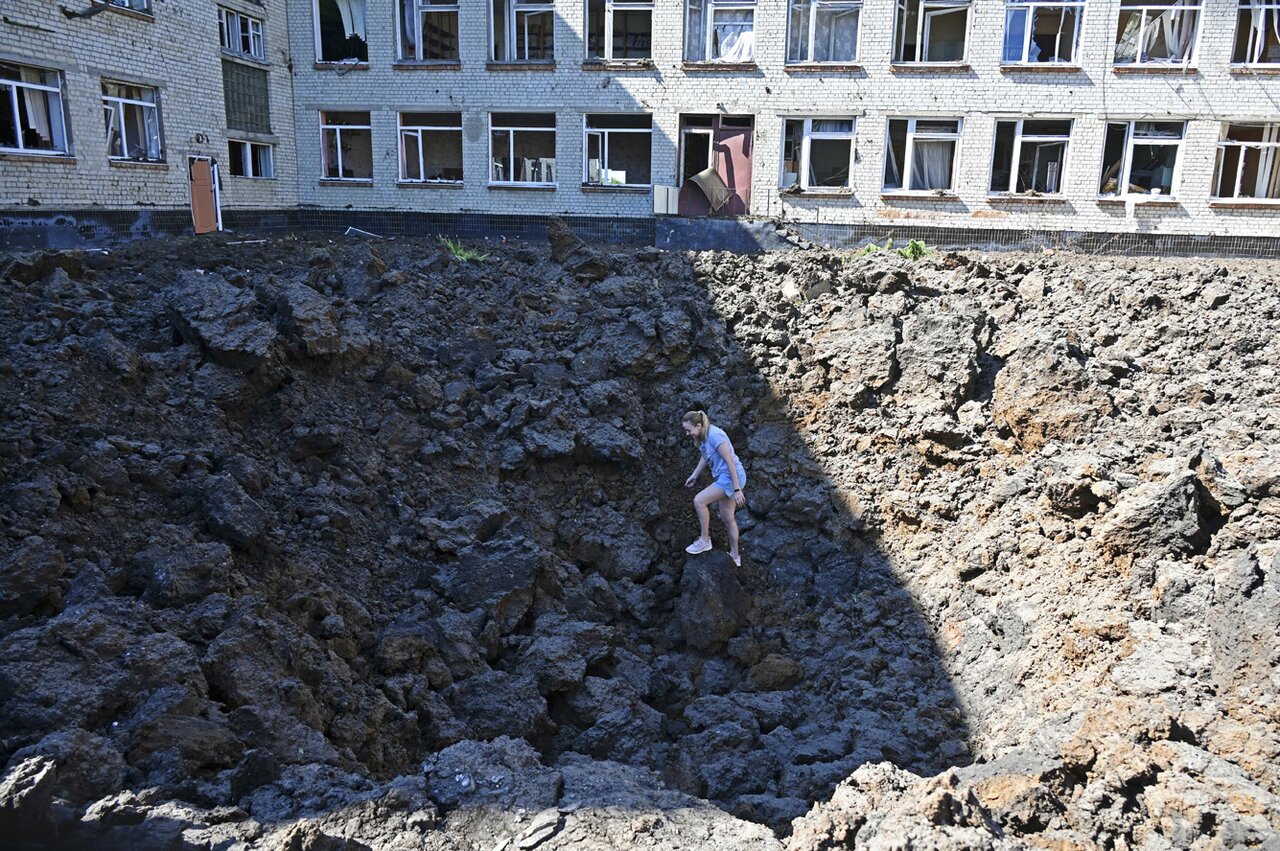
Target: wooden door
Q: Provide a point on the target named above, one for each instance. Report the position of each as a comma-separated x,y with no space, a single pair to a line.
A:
204,201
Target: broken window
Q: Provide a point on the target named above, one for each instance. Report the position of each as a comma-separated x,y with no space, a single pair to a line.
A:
1257,33
619,29
1140,157
431,147
1248,164
720,31
251,159
931,30
241,34
347,143
1041,32
523,30
817,153
340,31
429,30
924,151
1030,156
132,120
135,5
823,30
619,149
31,116
1156,32
522,148
245,96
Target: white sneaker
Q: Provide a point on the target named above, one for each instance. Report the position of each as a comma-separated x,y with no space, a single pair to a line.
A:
737,560
698,546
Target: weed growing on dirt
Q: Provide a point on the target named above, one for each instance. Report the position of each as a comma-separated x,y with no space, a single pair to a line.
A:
461,252
913,250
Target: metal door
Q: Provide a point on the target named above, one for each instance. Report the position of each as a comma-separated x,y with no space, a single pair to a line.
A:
722,141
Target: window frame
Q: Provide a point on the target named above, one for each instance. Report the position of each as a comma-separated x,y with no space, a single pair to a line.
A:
1030,7
129,4
808,134
1126,166
1193,53
247,158
1018,138
421,7
709,10
849,5
611,6
511,143
338,128
908,157
403,130
513,9
319,46
1268,146
60,112
117,110
1267,7
924,22
603,132
231,29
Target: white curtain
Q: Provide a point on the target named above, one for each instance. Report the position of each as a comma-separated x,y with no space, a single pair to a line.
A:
1127,43
408,28
1176,28
931,164
696,36
734,39
835,34
352,12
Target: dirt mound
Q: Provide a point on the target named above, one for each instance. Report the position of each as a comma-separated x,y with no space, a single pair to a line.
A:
319,544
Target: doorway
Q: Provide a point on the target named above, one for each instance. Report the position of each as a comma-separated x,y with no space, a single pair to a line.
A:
723,143
206,198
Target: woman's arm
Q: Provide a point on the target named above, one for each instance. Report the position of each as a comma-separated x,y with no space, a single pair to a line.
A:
697,471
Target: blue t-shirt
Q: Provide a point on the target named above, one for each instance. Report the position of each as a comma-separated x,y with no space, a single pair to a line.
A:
719,468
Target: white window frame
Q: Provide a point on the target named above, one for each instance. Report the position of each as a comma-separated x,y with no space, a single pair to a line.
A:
315,23
56,111
151,114
1126,166
604,132
845,7
904,168
1030,9
339,128
511,149
1267,8
416,130
420,8
1147,18
928,10
514,9
231,30
709,10
808,134
610,6
1018,138
245,152
143,6
1269,149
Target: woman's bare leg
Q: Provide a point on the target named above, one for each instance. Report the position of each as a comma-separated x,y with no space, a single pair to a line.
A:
705,497
727,509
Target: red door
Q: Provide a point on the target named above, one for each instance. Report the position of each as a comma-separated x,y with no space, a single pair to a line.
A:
725,143
733,162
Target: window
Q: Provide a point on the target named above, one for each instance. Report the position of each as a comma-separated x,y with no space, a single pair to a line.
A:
245,97
348,145
429,30
522,148
1257,33
340,31
135,5
241,34
1141,157
720,31
1041,32
817,153
924,151
823,30
31,116
523,30
1030,156
1156,32
251,159
1248,163
133,122
619,29
431,147
619,149
931,30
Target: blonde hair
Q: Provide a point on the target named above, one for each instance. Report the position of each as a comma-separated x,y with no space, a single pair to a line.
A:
699,419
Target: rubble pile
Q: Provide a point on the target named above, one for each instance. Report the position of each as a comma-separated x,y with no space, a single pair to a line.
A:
330,544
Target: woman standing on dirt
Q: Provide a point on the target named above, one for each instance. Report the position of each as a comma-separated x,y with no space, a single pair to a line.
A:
729,478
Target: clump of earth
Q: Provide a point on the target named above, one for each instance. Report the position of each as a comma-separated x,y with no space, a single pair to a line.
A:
321,544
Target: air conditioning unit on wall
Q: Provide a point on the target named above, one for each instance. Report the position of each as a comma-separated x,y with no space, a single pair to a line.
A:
666,200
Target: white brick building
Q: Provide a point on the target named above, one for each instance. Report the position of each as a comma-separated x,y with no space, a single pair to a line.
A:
1129,116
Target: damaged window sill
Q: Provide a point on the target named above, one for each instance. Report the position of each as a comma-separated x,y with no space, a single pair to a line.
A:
1019,198
919,196
928,67
1141,200
22,157
1254,70
815,193
429,184
822,67
450,65
520,66
1244,203
1041,68
145,165
346,181
625,190
1155,69
137,15
619,65
341,66
701,67
525,187
245,59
